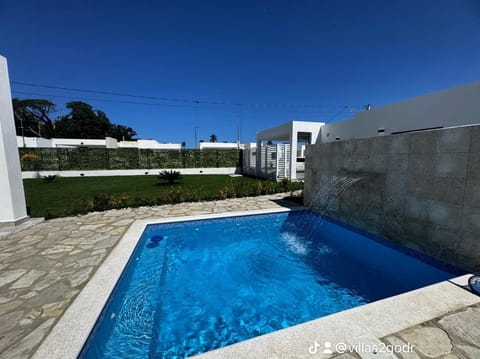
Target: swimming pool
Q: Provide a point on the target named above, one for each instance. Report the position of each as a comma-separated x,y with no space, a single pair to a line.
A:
207,284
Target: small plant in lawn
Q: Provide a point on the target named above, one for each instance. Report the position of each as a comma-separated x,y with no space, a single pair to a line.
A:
49,178
169,177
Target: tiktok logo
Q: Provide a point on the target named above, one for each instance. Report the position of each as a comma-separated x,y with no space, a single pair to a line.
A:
315,347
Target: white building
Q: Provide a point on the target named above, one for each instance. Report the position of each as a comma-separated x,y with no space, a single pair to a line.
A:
108,142
456,106
285,158
220,145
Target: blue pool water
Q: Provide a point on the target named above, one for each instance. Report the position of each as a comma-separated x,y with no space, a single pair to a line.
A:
206,284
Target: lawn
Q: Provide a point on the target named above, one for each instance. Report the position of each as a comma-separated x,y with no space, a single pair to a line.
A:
71,195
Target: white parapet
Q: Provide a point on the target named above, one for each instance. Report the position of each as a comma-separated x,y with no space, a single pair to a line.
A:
12,197
137,172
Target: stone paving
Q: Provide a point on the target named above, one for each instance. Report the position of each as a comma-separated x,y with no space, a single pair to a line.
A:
44,267
453,336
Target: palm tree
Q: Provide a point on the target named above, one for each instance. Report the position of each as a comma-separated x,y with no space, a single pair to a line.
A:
213,138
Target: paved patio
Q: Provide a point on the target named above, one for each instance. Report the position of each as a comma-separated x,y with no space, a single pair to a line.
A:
44,267
452,336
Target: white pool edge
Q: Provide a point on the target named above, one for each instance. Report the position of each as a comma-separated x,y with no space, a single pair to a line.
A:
70,333
379,318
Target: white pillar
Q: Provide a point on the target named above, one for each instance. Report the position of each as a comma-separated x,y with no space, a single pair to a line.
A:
293,153
12,197
277,160
258,160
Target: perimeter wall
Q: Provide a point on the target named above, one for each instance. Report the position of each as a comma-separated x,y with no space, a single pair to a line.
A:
85,159
419,189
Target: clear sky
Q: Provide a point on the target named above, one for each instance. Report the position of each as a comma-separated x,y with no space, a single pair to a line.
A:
263,62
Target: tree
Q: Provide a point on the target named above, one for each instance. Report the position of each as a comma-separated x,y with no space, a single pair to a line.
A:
213,138
122,133
184,144
85,122
82,122
32,117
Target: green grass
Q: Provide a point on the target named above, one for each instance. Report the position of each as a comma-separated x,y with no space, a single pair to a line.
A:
67,196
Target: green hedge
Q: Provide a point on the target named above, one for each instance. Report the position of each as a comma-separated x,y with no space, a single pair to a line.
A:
64,159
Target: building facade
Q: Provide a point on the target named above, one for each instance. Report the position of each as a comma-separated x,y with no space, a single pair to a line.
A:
108,142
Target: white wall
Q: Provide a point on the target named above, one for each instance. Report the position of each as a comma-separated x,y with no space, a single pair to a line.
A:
34,142
452,107
77,142
219,145
249,158
12,197
301,151
127,144
283,132
111,142
151,172
108,142
153,144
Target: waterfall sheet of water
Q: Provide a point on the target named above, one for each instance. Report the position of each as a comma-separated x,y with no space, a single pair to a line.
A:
329,191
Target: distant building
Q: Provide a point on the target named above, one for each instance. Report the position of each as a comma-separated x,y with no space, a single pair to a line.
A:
220,145
150,144
108,142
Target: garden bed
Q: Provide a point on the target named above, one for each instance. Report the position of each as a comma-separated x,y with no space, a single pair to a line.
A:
75,195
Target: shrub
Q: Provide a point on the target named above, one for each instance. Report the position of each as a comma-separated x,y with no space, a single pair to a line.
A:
175,195
145,201
105,201
285,185
171,195
222,194
258,188
194,194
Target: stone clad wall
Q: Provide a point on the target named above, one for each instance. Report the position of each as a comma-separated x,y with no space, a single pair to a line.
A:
419,189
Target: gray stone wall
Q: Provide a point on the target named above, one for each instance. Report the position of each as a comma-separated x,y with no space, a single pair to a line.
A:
419,189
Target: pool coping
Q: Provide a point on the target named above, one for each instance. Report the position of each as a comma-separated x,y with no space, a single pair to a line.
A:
70,333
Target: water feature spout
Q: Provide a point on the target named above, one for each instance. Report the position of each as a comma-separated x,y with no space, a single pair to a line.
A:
329,191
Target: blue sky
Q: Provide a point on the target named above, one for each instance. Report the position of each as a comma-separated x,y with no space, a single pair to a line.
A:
277,61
